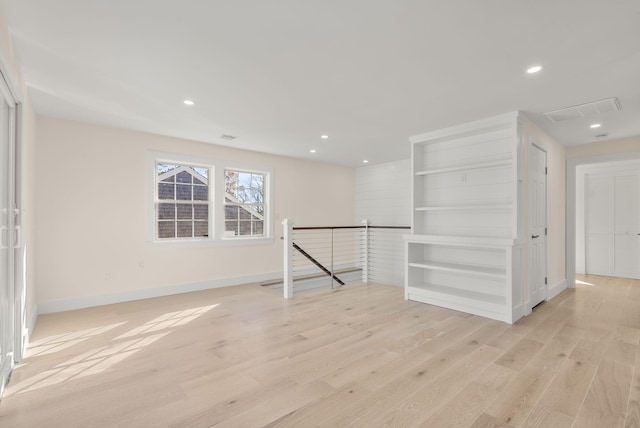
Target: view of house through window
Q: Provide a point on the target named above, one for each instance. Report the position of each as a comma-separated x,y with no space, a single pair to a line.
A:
182,203
244,203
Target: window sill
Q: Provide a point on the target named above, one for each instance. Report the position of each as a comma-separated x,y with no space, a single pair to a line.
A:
222,242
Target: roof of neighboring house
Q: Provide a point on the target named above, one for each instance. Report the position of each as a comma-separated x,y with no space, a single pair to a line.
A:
182,168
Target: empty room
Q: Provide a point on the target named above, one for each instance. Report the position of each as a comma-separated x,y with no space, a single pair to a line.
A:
319,214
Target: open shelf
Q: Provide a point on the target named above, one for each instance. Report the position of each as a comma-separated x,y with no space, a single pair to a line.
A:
465,251
467,167
466,208
487,272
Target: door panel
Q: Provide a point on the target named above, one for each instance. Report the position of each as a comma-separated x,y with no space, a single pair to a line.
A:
599,225
612,207
626,257
599,249
538,224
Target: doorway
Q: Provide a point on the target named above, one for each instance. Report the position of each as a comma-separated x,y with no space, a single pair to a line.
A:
573,258
607,219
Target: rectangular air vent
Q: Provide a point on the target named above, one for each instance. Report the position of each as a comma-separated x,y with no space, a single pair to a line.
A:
584,110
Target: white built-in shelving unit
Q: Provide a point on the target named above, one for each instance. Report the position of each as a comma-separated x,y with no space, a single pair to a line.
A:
465,251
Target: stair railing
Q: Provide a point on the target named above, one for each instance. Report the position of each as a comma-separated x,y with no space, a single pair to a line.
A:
375,251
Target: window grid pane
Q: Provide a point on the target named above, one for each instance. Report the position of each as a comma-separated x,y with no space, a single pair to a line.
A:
244,203
185,214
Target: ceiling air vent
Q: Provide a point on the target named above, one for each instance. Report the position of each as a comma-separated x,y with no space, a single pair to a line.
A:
584,110
228,137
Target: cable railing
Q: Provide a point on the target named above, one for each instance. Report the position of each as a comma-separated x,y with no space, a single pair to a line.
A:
331,256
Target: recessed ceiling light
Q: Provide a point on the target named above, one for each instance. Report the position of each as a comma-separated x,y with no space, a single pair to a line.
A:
534,69
595,125
324,137
188,102
312,150
365,161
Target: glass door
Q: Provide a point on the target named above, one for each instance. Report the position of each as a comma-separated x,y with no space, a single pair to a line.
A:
7,233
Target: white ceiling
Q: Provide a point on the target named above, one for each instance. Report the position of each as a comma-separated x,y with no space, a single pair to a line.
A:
369,73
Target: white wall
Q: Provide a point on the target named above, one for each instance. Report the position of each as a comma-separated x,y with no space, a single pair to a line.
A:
383,193
92,216
383,196
605,148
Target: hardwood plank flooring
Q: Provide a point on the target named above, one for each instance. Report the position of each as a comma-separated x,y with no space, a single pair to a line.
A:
356,356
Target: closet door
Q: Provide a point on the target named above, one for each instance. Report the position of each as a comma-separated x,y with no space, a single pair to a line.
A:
612,224
626,228
599,225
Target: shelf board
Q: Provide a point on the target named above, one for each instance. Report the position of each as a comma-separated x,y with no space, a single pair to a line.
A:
460,241
467,208
467,167
487,272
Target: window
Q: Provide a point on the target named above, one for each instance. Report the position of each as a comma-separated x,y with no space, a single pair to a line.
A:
199,201
182,205
244,203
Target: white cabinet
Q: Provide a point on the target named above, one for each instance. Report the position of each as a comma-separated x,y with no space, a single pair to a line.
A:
465,251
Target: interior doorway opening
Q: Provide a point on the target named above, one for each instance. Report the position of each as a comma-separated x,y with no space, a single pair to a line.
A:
574,258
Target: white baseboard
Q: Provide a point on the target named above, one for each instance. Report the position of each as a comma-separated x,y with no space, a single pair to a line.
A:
518,312
556,289
73,303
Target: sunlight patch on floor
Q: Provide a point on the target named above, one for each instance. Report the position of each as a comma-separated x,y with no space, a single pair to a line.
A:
58,342
103,358
168,320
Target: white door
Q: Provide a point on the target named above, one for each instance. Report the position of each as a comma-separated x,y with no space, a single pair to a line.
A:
537,225
625,226
7,329
612,208
599,224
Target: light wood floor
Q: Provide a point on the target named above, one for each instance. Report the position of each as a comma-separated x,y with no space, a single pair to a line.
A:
359,356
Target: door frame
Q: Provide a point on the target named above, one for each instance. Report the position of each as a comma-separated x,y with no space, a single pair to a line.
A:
533,143
570,196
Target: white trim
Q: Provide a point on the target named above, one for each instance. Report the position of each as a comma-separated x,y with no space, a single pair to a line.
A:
571,205
554,290
74,303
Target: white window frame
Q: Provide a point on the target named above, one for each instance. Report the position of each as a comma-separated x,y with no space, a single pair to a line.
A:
242,205
216,201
